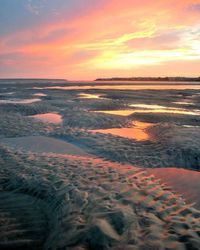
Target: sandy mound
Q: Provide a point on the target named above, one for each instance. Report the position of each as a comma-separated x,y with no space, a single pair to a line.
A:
42,144
92,120
95,204
183,181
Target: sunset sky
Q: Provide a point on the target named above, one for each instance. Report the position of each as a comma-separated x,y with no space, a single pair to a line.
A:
86,39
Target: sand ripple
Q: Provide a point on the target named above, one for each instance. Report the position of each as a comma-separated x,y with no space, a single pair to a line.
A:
96,204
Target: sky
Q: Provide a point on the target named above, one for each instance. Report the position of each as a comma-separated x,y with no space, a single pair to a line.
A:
87,39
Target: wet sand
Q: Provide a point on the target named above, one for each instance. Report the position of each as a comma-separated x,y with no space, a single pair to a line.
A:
19,101
54,195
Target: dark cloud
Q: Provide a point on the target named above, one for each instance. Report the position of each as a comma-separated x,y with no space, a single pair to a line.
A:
194,7
50,37
17,58
17,15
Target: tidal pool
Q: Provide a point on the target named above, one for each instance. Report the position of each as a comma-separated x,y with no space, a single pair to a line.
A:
49,117
137,132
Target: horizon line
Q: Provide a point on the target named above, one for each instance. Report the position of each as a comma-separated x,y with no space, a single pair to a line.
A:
113,77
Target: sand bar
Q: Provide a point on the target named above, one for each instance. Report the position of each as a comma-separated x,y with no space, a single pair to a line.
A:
43,144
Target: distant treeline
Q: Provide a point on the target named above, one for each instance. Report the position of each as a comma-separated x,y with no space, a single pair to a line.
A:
176,79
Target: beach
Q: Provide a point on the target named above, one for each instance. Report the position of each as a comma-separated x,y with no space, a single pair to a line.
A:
99,168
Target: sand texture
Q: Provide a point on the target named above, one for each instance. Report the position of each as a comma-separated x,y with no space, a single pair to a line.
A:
63,186
183,181
43,144
90,204
23,221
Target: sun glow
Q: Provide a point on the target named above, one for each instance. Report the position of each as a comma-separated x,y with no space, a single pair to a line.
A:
138,58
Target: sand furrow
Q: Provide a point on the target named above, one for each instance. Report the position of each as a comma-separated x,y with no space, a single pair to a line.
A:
96,204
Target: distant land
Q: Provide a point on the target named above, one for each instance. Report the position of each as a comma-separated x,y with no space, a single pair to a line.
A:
168,79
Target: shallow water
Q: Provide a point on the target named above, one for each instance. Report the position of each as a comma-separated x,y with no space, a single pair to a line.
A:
49,117
126,87
137,132
19,101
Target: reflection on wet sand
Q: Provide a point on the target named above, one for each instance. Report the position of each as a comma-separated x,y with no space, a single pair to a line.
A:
153,106
125,87
182,181
137,132
49,117
190,126
90,96
150,109
184,103
122,112
19,101
9,93
163,109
